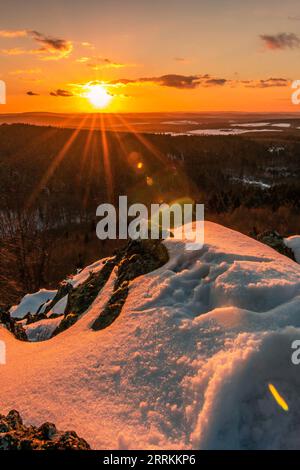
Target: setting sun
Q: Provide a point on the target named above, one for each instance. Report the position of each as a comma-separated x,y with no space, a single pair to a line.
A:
98,96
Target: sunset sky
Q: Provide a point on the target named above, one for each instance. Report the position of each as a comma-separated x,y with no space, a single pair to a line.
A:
192,55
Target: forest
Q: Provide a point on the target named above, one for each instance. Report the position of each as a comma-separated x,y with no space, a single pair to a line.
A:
53,179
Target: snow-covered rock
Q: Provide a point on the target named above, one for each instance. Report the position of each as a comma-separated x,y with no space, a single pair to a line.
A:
60,307
32,303
188,362
42,329
294,244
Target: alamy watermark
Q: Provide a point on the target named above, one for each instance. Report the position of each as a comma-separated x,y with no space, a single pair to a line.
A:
2,92
183,221
296,93
2,353
296,354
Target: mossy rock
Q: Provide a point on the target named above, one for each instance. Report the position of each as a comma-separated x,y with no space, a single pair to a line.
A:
14,435
275,241
139,257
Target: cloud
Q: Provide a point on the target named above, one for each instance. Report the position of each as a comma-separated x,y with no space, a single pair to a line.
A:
82,60
63,93
19,33
32,93
98,63
18,51
175,81
87,44
216,82
195,81
281,41
105,63
51,48
267,83
56,46
25,72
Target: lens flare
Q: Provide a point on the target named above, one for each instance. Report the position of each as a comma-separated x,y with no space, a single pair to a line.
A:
278,398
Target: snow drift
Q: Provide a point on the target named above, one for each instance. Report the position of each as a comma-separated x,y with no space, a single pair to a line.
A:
186,364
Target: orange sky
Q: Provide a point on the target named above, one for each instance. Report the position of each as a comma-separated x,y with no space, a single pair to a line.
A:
196,55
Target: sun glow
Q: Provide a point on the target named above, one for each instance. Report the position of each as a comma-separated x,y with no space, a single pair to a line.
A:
98,96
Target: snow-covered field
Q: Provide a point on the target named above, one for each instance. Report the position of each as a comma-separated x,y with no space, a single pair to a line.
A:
188,362
230,131
252,124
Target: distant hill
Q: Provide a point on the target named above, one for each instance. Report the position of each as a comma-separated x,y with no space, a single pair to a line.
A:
148,122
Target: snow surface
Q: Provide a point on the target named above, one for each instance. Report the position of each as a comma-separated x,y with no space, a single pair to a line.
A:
187,363
31,303
84,274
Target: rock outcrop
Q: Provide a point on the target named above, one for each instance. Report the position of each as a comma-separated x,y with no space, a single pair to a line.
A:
12,325
137,258
14,435
275,241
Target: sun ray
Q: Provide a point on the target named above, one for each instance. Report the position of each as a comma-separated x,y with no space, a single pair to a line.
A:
87,144
148,145
55,163
106,160
90,170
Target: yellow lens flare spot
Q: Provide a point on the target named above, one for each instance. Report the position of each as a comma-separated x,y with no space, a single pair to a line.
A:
149,181
278,398
98,96
140,165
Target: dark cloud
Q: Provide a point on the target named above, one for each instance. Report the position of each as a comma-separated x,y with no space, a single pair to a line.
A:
216,82
63,93
50,47
281,41
171,80
177,81
32,93
205,80
50,43
268,83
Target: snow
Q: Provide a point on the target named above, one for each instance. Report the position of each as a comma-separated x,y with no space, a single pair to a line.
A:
31,303
188,362
226,131
252,124
184,122
60,307
281,124
41,330
84,274
294,244
252,181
